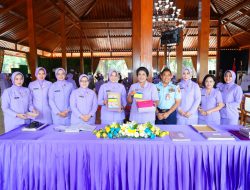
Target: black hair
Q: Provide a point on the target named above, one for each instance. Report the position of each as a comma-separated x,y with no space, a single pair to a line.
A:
166,69
142,69
205,78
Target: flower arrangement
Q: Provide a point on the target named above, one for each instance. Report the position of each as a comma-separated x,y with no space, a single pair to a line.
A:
130,130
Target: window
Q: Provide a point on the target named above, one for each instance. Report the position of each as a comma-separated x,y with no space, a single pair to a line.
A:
105,65
187,62
212,64
15,60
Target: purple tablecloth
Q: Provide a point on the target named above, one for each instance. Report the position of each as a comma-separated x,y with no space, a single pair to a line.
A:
54,160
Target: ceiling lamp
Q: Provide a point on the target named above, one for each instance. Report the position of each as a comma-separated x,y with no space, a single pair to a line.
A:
165,17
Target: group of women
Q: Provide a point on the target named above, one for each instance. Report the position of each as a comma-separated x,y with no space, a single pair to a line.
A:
61,103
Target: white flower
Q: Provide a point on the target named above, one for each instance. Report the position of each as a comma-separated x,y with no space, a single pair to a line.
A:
136,134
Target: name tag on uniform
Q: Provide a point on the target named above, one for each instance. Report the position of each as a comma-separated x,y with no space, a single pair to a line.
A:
167,96
16,97
138,95
108,90
171,90
57,91
35,88
81,96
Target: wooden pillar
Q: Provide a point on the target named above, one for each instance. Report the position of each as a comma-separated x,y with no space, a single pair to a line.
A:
63,39
194,61
203,38
161,62
179,48
32,39
142,35
92,63
81,57
218,50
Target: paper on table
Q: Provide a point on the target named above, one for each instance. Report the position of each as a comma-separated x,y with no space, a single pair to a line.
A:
87,127
203,128
74,128
218,136
178,136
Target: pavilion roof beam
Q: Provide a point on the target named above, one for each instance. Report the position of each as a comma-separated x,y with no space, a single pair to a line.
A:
38,25
43,12
239,26
59,42
90,9
14,24
47,27
245,47
240,33
235,9
45,38
110,46
73,22
237,17
226,28
13,5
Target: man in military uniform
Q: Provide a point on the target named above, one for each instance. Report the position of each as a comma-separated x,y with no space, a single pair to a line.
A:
169,99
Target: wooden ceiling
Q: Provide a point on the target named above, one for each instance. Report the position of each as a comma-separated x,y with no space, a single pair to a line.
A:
106,25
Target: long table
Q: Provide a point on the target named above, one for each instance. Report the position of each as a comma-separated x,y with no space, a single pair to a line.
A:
50,160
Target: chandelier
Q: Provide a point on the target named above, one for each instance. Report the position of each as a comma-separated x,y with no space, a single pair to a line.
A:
165,17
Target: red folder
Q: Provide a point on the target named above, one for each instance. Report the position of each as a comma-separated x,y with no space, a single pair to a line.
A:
145,103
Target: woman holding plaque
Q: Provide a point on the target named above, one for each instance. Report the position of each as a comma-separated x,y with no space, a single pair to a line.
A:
83,103
232,96
211,102
191,97
59,94
139,92
112,98
39,92
16,103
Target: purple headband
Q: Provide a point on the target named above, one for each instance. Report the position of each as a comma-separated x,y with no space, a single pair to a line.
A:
14,75
38,69
233,75
111,71
57,70
83,75
188,69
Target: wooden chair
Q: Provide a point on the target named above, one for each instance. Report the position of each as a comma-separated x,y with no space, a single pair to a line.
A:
241,111
246,109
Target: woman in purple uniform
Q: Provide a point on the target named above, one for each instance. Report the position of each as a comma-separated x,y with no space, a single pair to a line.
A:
232,96
16,102
83,103
211,102
108,116
39,94
59,95
142,90
191,96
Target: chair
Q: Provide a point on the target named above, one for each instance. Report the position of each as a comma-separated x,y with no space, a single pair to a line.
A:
246,109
